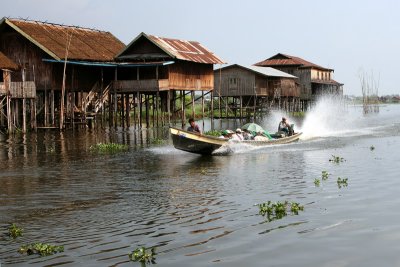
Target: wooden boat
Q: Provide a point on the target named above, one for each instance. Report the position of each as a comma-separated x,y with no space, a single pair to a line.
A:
206,145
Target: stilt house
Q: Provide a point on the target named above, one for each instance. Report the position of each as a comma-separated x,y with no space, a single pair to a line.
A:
314,79
252,87
58,65
164,70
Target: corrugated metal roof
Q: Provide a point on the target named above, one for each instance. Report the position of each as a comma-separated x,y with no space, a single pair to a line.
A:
180,49
6,63
266,71
286,60
86,44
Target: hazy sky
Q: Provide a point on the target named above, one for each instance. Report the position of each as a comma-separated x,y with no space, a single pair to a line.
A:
347,36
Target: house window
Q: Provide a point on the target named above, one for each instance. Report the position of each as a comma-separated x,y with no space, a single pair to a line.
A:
233,83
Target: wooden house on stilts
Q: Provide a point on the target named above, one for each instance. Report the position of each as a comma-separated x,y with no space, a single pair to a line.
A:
244,90
160,72
314,80
61,69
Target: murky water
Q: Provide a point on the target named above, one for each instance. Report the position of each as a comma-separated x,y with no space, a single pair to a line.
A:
199,211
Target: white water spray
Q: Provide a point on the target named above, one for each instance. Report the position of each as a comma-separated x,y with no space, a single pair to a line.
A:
331,117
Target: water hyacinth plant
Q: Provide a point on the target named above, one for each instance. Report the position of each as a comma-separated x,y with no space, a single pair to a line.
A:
278,210
341,182
336,159
317,182
14,231
324,175
141,255
108,147
41,249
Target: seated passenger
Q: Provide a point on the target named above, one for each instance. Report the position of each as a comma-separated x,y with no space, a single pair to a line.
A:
226,134
247,135
261,137
238,135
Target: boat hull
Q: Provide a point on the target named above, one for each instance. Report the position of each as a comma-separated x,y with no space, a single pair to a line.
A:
206,145
195,143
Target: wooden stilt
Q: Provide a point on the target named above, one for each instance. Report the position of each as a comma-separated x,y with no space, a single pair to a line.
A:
127,113
183,108
24,115
122,110
140,111
169,107
147,99
202,108
192,96
212,110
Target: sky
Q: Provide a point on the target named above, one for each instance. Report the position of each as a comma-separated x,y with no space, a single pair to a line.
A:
355,38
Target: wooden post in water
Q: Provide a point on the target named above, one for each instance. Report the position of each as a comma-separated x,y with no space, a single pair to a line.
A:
140,111
128,115
202,107
169,107
212,110
183,108
192,96
158,108
241,109
122,111
147,99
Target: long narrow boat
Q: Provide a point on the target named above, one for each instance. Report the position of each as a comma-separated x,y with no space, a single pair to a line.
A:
206,145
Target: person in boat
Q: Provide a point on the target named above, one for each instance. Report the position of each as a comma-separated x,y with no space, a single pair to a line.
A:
226,134
193,126
285,127
261,137
247,135
238,135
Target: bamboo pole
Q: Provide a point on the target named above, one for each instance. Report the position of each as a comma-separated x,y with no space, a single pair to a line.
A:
63,82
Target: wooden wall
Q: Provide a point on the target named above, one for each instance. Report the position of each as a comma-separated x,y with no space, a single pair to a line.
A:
185,75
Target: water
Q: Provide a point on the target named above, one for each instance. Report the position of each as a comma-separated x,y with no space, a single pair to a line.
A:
200,211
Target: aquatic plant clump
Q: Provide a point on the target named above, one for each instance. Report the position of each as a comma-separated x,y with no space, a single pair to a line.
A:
341,182
14,231
278,210
141,255
336,159
317,182
324,175
41,249
108,147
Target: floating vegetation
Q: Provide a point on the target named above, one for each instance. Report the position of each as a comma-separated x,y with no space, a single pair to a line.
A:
317,182
157,141
324,175
14,231
336,159
203,171
141,255
108,147
341,182
41,249
213,133
278,210
371,148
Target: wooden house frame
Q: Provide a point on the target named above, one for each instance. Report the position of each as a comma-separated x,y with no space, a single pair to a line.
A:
165,70
314,80
255,88
59,67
